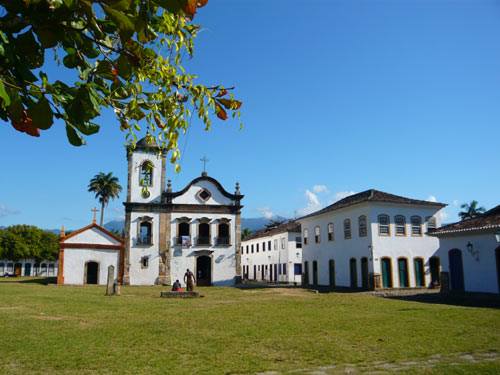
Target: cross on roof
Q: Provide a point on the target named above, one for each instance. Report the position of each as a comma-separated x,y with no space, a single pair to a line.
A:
205,161
94,211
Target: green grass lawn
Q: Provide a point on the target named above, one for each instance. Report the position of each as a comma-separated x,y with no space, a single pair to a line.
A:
50,329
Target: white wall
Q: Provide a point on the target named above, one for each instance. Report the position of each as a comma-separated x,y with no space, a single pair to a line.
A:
479,275
342,250
289,256
223,257
139,275
75,259
190,196
93,236
408,246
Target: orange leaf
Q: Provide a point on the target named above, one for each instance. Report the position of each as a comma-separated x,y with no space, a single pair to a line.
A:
221,113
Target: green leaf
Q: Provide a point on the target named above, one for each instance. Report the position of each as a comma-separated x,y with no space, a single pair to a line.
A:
47,37
88,128
5,102
124,67
124,23
104,69
73,137
41,114
29,50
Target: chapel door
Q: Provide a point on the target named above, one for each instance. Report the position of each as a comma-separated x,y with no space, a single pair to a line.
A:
305,275
456,270
386,273
364,273
204,271
92,273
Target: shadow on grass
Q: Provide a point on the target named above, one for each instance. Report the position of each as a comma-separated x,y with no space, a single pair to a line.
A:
29,280
454,299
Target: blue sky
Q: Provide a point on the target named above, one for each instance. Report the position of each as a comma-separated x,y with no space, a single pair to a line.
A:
339,97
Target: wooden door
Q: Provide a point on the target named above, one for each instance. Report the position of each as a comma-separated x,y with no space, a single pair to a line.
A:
456,270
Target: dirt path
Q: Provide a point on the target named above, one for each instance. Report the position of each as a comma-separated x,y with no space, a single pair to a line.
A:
380,367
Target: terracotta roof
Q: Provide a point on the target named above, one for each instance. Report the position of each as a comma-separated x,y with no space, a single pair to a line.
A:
289,226
488,221
373,195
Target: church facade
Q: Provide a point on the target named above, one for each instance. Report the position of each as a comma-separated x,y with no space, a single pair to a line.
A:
167,231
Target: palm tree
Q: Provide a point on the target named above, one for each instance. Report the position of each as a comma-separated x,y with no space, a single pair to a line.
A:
470,210
245,233
106,187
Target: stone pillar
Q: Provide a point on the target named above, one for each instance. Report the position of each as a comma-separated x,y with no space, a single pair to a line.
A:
376,279
164,249
126,253
237,244
111,281
445,282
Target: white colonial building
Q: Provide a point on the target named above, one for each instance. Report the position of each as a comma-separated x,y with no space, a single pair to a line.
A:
371,240
28,267
273,254
470,253
85,255
169,231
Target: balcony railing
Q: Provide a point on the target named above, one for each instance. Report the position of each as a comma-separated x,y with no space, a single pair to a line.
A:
203,241
144,241
222,241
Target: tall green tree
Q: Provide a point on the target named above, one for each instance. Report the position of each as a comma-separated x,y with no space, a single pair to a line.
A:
470,210
245,233
27,241
106,187
125,55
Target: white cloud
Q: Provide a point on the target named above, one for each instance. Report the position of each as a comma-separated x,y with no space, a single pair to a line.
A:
6,211
266,212
313,203
456,203
432,198
320,189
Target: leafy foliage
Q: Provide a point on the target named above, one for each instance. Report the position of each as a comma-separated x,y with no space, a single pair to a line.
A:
245,233
106,187
25,241
127,55
470,210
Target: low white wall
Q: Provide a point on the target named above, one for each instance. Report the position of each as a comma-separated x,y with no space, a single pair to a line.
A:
8,267
75,259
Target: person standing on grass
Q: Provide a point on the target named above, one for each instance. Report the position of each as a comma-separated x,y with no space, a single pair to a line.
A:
189,280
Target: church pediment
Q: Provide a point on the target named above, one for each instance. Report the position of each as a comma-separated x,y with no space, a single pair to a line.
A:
92,234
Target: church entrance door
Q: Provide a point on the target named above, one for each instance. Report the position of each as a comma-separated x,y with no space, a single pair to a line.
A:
203,270
91,273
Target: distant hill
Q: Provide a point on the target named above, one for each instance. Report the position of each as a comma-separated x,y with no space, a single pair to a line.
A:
253,224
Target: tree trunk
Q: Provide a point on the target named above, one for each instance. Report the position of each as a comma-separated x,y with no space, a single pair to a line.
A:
102,214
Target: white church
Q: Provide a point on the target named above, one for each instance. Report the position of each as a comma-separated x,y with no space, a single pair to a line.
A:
167,231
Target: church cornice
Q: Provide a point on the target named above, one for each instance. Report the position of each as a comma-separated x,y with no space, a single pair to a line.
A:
171,207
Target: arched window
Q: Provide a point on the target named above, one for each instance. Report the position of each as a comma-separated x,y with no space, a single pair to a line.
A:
145,233
362,228
36,269
331,236
223,233
400,222
431,222
416,226
184,232
146,174
383,225
317,234
347,229
306,235
204,232
51,269
44,269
